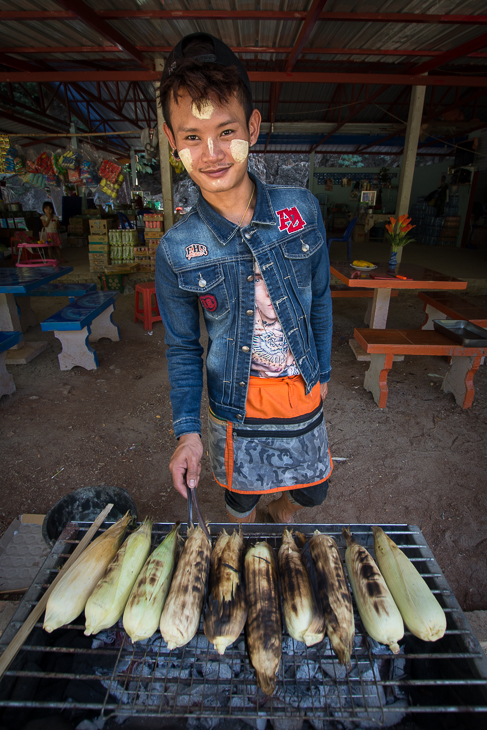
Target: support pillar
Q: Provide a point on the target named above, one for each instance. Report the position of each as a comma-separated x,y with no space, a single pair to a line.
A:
166,169
409,155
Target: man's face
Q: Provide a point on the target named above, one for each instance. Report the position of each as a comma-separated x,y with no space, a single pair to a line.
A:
213,142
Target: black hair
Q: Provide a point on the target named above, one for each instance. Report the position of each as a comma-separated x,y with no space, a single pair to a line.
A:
48,202
202,80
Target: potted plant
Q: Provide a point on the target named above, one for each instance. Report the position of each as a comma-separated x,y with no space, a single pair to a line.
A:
397,235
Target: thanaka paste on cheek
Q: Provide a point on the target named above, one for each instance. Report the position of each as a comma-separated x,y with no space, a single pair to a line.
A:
239,149
206,110
186,158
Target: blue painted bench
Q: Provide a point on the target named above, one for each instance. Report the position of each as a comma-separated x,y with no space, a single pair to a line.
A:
88,318
72,290
7,340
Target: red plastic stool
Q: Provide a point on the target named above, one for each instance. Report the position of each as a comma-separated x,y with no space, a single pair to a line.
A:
150,310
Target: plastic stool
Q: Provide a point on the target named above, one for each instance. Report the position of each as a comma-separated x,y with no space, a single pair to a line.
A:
150,310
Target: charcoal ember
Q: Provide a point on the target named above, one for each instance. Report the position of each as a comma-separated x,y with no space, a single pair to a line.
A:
366,692
173,670
117,691
198,643
214,670
308,670
292,647
334,696
104,638
284,723
334,669
238,702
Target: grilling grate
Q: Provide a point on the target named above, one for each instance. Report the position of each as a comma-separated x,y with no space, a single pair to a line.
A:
106,673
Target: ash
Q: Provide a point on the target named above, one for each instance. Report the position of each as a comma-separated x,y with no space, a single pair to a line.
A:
196,681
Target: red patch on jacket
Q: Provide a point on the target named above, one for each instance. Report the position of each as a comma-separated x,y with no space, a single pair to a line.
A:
209,302
290,219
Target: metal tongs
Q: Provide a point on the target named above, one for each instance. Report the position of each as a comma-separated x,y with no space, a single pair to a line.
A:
193,501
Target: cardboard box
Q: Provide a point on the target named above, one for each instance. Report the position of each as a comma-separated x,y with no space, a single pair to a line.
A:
102,248
99,238
102,225
153,233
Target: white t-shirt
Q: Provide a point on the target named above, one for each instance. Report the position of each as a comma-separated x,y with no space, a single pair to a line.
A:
271,356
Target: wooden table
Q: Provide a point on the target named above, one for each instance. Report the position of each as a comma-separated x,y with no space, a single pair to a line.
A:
419,277
21,281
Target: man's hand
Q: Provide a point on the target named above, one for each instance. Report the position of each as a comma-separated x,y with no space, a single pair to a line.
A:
323,390
185,464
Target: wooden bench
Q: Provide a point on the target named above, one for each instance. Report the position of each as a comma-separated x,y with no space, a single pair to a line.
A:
382,345
342,290
441,305
72,290
88,318
7,340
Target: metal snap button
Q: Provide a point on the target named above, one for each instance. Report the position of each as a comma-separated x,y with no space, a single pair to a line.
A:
305,247
250,277
239,416
245,348
202,283
249,312
242,384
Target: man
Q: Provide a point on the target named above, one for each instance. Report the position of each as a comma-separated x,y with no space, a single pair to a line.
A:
255,258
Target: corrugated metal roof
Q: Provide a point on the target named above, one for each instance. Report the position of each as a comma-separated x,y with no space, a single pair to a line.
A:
307,103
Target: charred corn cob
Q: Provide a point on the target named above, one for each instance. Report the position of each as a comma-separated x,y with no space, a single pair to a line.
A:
379,614
419,608
334,595
304,620
227,606
69,597
146,601
107,602
264,630
181,613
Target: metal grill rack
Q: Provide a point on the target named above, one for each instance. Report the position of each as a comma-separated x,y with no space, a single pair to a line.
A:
110,675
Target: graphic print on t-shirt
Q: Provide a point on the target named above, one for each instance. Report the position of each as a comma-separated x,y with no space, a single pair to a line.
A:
271,356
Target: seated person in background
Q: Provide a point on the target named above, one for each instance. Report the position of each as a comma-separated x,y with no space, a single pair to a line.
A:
49,233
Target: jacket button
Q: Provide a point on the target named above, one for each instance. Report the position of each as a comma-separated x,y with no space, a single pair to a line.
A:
242,384
239,416
305,247
202,283
249,312
250,278
245,348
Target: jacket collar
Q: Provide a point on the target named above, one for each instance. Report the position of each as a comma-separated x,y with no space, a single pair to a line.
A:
224,229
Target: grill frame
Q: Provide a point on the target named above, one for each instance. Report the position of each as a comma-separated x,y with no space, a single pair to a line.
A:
359,699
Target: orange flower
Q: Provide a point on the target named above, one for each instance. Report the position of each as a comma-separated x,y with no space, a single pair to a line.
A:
389,227
393,220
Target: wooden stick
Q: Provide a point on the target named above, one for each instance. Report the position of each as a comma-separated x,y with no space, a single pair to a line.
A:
20,637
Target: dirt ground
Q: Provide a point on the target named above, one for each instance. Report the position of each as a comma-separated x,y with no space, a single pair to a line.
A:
419,461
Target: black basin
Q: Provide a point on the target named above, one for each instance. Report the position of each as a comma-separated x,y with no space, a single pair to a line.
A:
84,505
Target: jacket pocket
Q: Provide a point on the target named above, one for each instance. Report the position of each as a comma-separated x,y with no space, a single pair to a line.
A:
208,282
299,251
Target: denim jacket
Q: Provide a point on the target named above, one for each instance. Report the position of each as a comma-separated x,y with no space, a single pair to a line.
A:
205,259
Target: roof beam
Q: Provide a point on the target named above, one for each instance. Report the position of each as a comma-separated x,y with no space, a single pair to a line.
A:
239,49
472,45
87,94
70,13
97,23
295,77
312,18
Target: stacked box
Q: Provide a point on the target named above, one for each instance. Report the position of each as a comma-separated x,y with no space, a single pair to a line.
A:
102,225
449,232
99,238
78,226
142,258
100,247
98,261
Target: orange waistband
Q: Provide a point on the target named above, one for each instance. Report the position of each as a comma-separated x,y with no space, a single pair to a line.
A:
280,398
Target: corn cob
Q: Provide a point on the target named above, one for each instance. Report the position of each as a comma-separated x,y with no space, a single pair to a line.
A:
422,614
379,614
264,630
107,602
304,621
334,594
69,597
181,613
146,601
227,606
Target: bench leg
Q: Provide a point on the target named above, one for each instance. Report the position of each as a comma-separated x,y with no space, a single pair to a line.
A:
103,326
376,377
459,379
76,350
380,309
7,385
27,316
368,312
431,314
